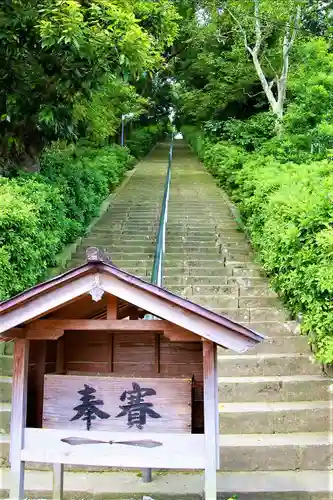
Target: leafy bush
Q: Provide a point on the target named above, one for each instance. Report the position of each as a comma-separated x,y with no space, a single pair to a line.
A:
288,211
141,140
251,133
40,213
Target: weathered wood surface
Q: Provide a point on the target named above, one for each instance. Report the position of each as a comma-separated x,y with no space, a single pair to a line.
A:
210,411
111,307
137,356
18,417
39,380
178,451
58,482
170,410
54,329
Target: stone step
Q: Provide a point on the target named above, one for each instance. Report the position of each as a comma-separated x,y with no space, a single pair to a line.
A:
6,364
206,280
263,485
211,271
138,248
213,257
275,417
120,255
5,412
276,328
213,247
5,390
251,452
233,301
139,241
251,292
281,344
252,365
275,388
188,239
261,314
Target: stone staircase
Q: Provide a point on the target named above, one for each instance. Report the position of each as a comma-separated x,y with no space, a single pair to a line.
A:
275,404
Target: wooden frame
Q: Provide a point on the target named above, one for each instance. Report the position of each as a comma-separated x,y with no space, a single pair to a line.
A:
182,322
50,329
175,452
18,417
211,419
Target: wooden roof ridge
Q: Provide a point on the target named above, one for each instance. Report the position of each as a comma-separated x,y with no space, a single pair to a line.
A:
99,262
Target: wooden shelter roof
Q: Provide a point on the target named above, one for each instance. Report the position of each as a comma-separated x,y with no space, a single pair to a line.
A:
50,295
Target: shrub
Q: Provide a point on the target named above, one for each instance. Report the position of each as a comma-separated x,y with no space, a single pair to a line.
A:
40,213
140,141
250,133
288,211
32,229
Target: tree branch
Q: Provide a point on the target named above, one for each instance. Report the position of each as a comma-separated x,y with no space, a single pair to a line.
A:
288,42
242,30
257,27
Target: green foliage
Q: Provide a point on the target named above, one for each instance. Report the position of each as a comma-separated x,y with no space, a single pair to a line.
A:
288,211
251,133
40,213
66,68
141,140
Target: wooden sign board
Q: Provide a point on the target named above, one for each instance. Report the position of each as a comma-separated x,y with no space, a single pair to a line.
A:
117,404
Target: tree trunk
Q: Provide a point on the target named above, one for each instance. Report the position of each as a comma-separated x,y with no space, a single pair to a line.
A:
24,153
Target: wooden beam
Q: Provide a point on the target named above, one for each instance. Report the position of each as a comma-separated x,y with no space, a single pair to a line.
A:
13,333
35,331
54,328
58,482
111,307
210,411
18,417
178,451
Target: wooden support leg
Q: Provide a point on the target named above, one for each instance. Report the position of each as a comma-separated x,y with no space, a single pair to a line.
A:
18,417
210,410
217,415
58,481
146,475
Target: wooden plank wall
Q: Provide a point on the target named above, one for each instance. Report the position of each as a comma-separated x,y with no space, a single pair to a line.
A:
99,352
42,359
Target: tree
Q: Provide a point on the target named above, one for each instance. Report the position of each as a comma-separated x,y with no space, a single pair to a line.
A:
56,56
265,18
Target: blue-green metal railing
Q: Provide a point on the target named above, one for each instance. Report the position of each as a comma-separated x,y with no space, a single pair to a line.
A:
157,277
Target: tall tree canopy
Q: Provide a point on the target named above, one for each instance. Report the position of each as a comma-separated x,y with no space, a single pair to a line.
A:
237,58
64,62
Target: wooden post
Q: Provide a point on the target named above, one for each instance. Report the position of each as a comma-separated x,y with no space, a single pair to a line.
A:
111,313
146,475
217,413
18,417
111,307
210,376
58,481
